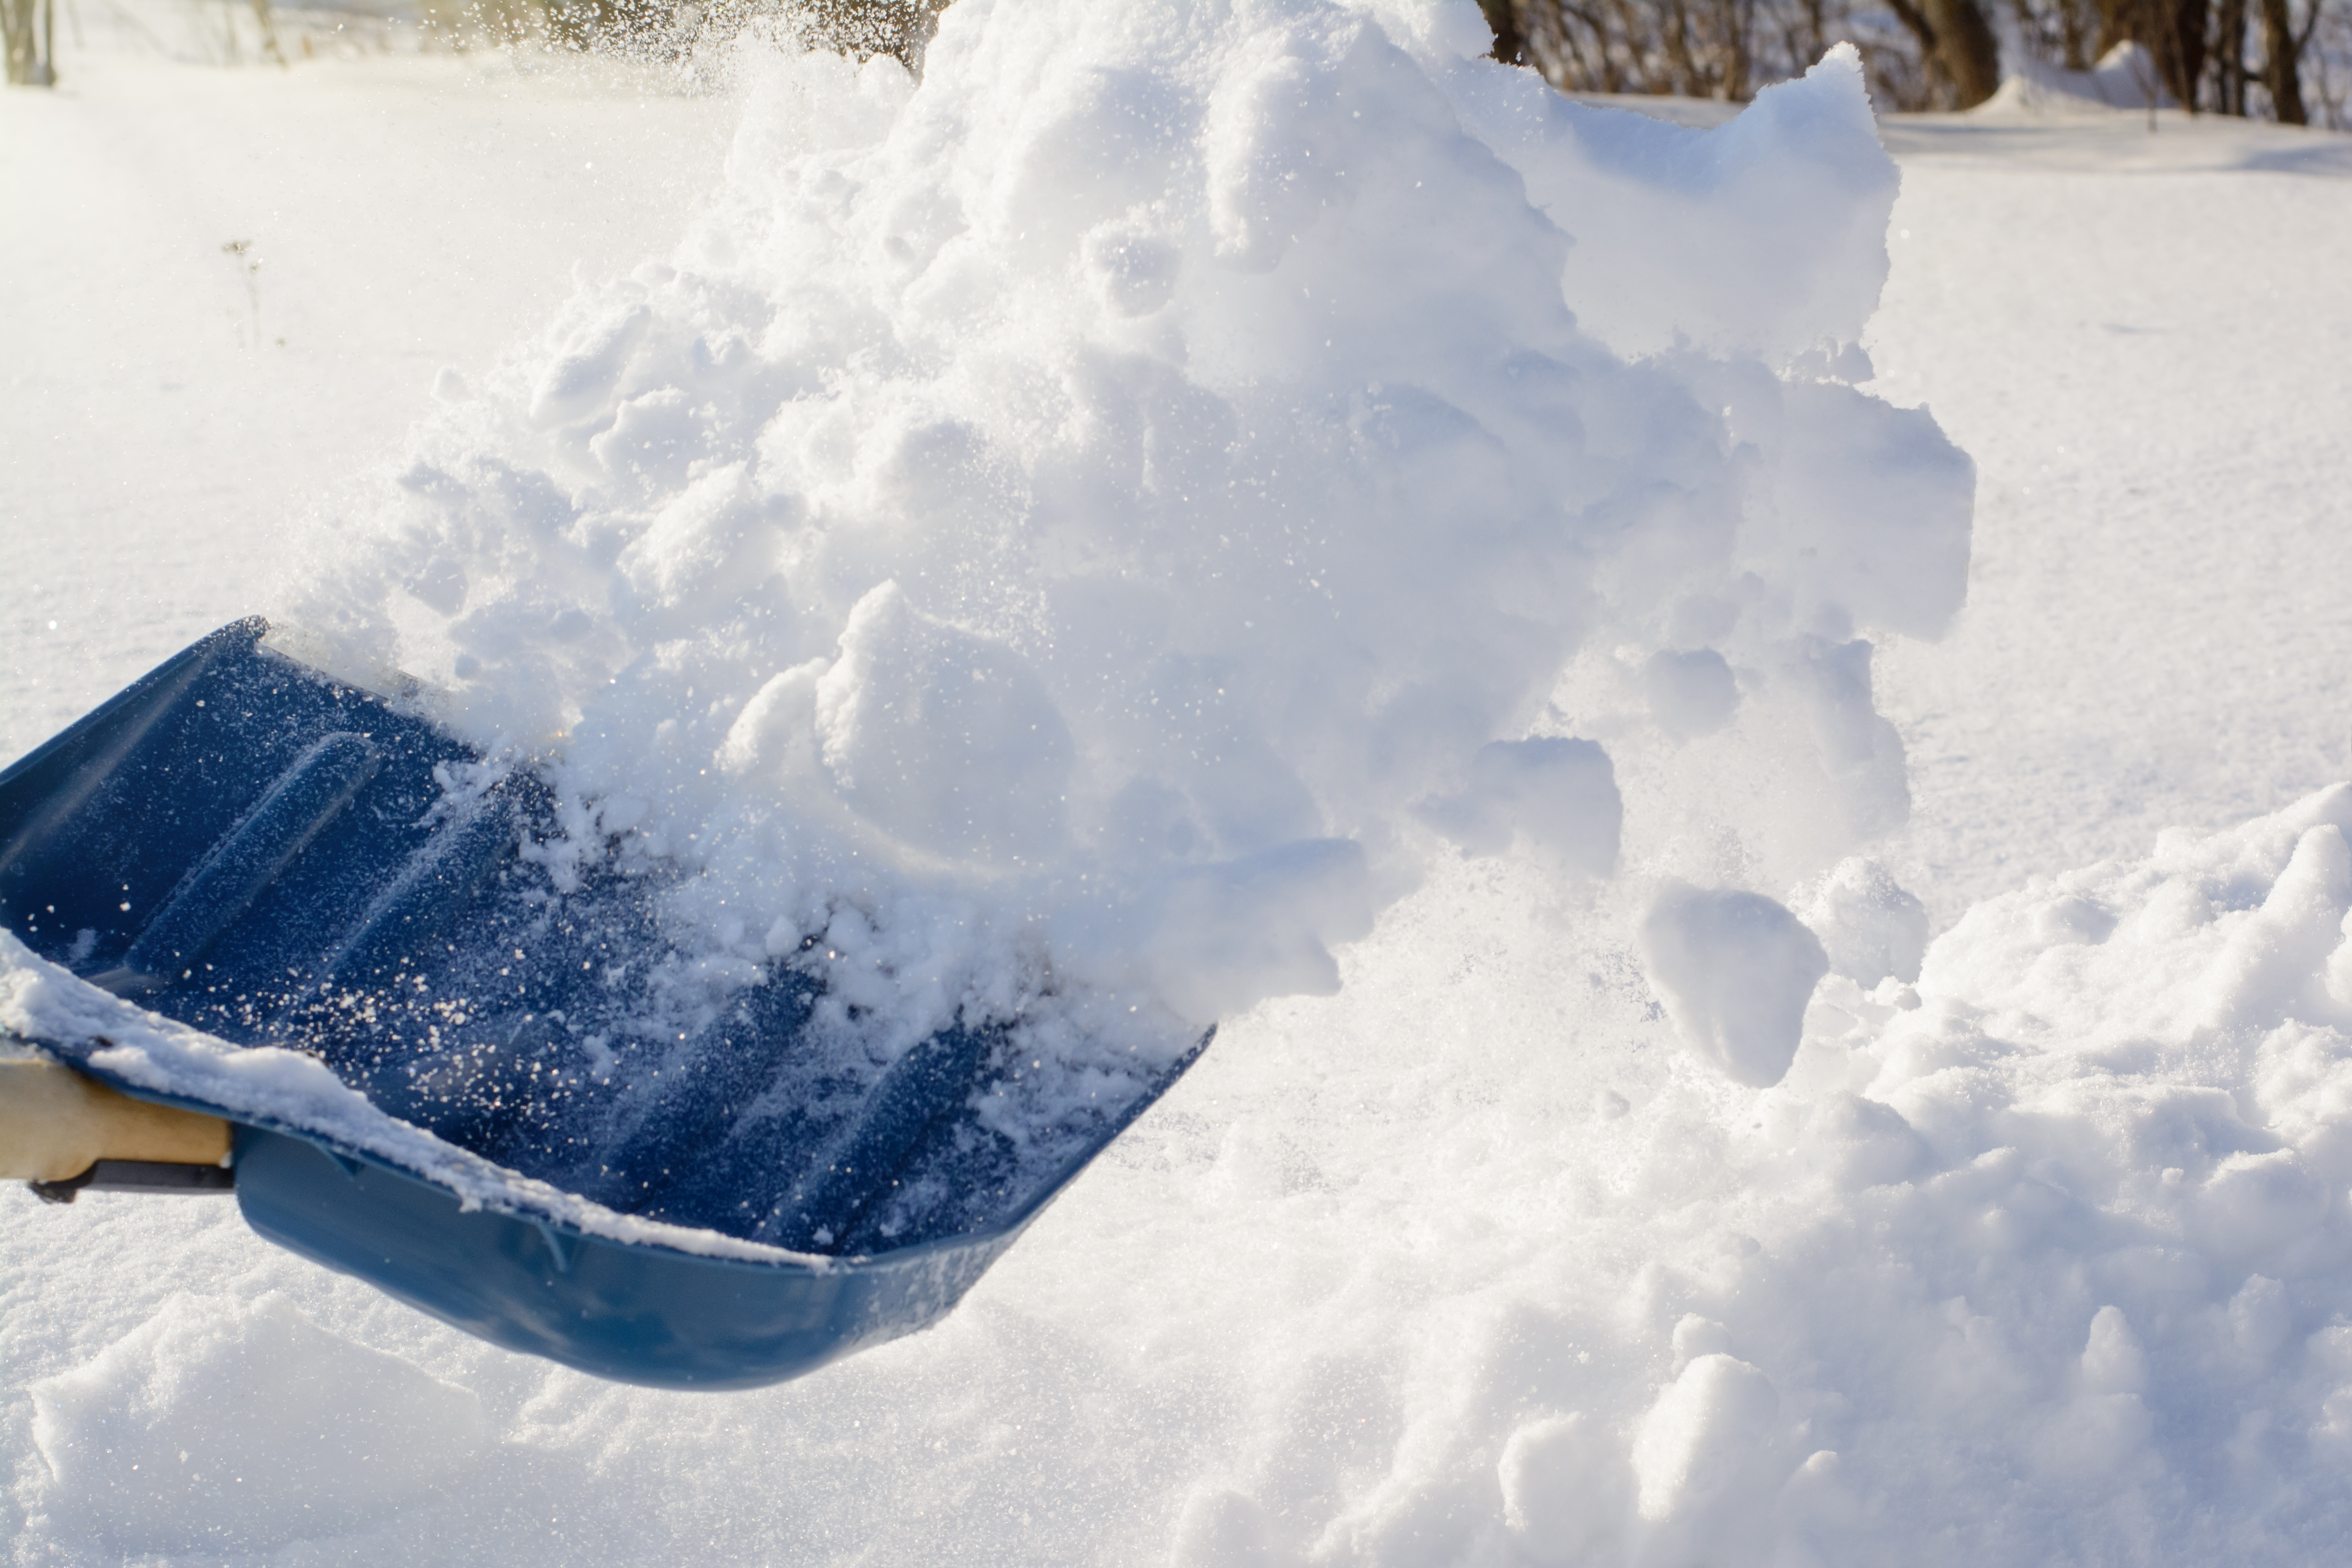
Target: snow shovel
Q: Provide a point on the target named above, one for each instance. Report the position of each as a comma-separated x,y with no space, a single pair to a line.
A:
238,852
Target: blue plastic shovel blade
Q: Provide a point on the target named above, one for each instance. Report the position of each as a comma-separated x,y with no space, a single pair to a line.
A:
243,845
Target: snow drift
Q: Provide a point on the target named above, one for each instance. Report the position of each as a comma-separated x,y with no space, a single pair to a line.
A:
2041,1257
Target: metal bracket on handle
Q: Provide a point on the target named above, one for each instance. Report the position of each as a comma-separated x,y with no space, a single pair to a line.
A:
138,1176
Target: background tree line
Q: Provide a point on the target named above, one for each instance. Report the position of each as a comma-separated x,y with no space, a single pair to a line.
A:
2289,60
2278,59
659,29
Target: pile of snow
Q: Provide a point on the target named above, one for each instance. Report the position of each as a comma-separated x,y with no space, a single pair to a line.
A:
2125,76
206,1428
2041,1259
2045,1256
1071,540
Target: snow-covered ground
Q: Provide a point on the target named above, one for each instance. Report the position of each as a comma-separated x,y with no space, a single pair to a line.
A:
2047,1259
2141,339
170,410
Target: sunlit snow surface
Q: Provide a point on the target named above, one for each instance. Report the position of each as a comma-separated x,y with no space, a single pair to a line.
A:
1472,1262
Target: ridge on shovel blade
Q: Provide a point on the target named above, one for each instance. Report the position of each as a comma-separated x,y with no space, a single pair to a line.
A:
240,844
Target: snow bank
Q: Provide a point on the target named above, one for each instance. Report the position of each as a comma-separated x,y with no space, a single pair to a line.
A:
1072,541
2045,1258
2125,76
220,1424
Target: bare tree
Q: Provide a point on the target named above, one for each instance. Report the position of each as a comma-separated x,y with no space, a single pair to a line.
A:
1945,56
2229,75
29,29
2329,64
1939,54
2282,46
859,28
2198,48
1957,48
1510,46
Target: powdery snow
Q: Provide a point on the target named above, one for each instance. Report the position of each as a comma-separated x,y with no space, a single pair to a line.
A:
2039,1257
1067,536
1735,971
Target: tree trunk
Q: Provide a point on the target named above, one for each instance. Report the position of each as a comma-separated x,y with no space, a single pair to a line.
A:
266,23
2074,36
2189,17
1676,27
2282,64
1967,49
2117,25
1510,39
2230,57
1923,33
16,34
28,34
1739,65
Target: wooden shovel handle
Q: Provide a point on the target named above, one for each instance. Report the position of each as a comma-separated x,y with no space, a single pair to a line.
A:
55,1124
